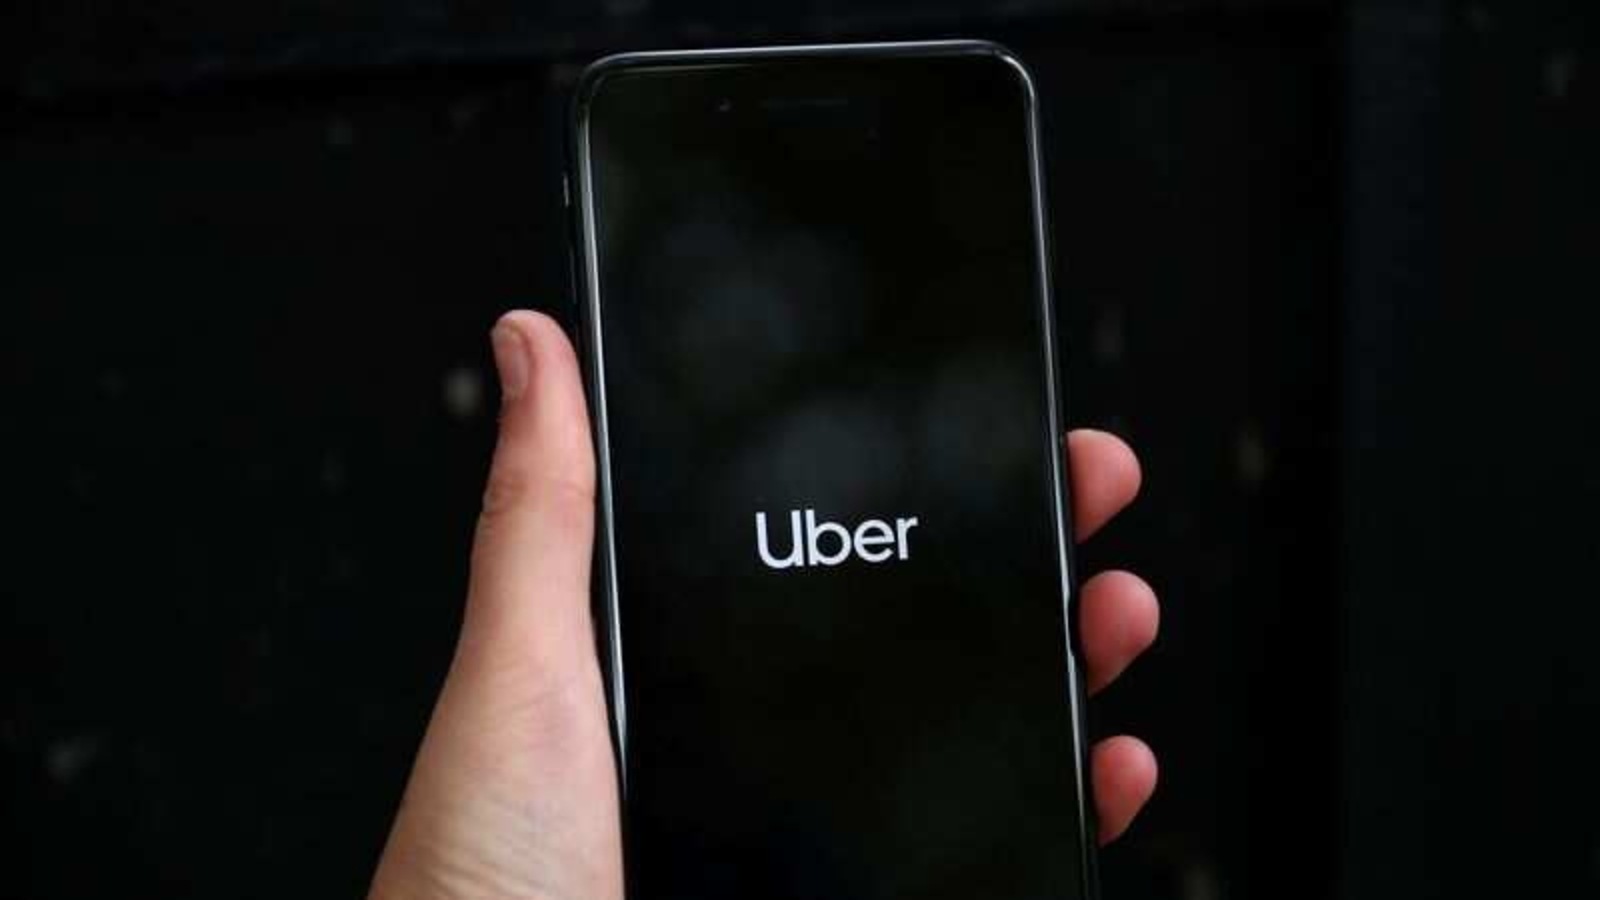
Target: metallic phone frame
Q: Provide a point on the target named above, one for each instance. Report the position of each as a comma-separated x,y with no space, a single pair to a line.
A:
585,259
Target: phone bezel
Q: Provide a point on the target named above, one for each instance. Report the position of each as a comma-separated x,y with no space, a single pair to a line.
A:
586,277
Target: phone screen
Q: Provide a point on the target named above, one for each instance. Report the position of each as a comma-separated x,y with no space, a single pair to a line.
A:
839,580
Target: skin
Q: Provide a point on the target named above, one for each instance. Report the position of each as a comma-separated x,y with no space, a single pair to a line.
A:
513,793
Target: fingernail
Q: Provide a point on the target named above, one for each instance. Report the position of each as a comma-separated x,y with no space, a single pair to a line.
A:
511,359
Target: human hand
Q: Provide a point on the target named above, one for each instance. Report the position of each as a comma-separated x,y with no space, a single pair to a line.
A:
514,792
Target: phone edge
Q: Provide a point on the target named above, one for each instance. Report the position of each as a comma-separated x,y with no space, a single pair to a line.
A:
585,254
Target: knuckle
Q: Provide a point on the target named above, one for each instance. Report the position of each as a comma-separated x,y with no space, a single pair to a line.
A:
557,705
570,502
565,498
508,488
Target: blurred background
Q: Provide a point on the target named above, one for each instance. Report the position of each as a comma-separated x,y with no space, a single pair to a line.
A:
1330,266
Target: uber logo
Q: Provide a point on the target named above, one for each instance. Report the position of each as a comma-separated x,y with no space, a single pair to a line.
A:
873,540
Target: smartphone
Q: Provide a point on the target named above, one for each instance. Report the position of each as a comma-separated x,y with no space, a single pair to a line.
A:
836,595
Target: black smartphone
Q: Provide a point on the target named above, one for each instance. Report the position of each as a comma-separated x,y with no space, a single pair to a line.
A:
836,594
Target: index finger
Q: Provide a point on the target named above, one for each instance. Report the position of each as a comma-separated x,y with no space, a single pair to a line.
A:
1105,478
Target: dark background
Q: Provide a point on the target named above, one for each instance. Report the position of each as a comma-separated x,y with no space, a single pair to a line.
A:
1326,265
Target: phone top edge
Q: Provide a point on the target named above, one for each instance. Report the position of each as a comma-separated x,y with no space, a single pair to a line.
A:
590,79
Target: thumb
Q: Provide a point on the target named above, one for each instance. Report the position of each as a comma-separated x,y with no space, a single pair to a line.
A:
514,790
530,559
